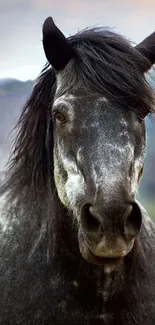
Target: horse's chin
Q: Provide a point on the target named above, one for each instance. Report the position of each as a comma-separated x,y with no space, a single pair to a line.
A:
109,264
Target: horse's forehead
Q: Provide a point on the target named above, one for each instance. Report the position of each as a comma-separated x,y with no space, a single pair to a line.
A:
70,99
66,99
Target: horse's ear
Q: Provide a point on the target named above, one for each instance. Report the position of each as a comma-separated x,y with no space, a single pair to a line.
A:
57,49
147,49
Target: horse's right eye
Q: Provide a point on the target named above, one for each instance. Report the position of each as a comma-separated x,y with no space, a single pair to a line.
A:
60,118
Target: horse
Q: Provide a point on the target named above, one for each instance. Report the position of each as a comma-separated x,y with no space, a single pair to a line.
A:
76,246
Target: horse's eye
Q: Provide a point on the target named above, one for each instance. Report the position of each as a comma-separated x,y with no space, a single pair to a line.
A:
60,118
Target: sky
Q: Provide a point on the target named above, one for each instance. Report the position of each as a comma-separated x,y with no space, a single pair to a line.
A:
21,52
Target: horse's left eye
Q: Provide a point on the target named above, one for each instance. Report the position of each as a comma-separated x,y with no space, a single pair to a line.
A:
60,118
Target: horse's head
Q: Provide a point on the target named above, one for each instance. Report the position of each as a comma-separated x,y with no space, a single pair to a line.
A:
98,113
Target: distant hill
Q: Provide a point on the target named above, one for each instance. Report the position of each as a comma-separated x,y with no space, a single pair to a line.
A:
13,95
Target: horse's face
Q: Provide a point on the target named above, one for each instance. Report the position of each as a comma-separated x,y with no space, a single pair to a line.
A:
98,161
99,146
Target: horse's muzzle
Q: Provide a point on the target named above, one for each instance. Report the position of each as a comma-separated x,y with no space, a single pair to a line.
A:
105,238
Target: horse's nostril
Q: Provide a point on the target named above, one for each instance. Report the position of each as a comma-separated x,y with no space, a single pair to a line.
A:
89,222
93,223
133,221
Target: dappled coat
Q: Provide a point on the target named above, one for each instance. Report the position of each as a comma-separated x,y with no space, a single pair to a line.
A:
75,245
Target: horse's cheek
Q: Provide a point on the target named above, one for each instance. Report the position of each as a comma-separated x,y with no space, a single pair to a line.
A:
60,186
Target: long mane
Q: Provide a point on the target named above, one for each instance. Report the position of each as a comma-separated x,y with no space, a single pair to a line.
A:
29,162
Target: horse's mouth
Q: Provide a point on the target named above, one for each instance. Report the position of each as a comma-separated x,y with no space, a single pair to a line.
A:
90,257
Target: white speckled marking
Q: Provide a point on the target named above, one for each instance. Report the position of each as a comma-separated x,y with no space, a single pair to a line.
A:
137,167
65,100
75,185
4,222
96,183
101,100
75,284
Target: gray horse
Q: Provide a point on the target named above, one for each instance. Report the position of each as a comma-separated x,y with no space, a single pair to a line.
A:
75,245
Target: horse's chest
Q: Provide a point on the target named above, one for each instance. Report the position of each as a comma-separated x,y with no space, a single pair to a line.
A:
43,299
75,304
59,302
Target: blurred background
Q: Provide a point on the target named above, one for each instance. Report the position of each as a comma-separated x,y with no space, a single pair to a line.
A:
22,57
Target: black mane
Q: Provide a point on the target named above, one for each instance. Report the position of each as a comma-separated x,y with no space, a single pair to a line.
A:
108,64
105,63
